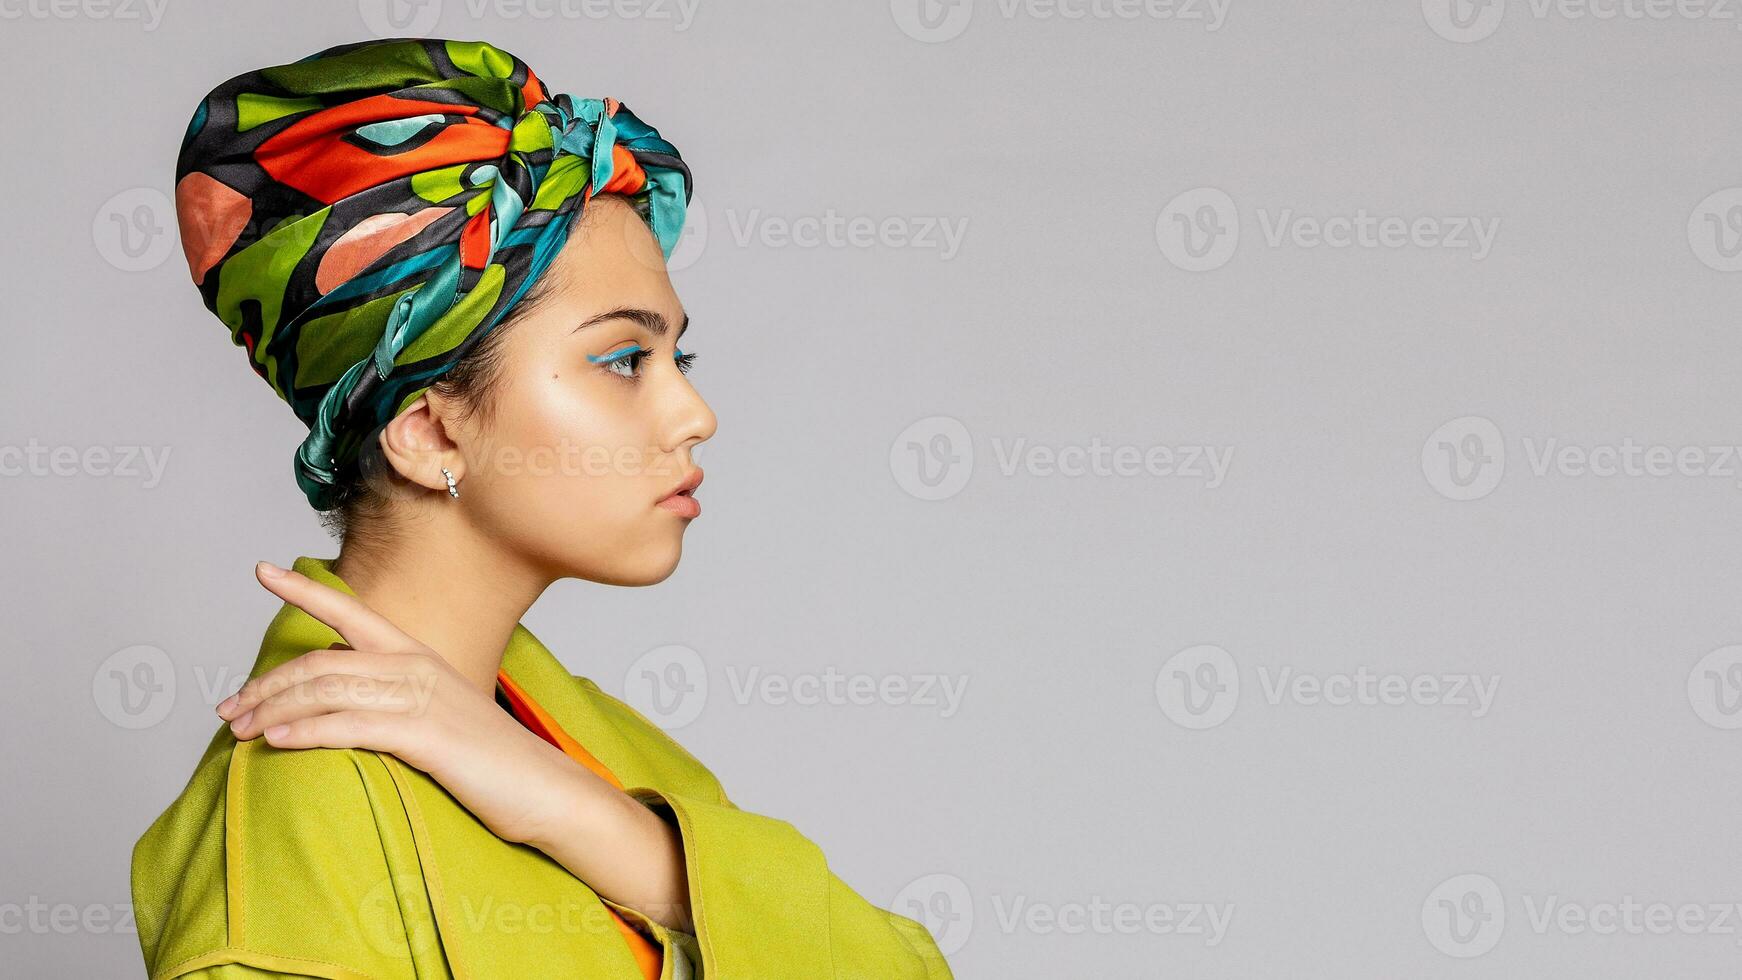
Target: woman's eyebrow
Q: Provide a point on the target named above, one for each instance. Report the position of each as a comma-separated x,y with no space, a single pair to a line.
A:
653,321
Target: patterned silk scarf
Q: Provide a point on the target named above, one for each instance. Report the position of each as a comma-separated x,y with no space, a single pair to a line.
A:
360,218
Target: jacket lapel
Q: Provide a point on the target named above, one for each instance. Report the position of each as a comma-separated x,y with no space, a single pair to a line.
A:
502,909
531,665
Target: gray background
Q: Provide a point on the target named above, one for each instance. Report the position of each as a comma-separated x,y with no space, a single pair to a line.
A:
1601,772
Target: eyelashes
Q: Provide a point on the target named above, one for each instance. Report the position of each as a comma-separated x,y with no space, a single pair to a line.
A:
626,362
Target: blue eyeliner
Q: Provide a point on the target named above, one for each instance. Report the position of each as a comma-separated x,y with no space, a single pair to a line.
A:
633,354
616,355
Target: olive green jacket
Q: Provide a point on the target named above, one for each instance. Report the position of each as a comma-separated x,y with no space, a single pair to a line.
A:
347,863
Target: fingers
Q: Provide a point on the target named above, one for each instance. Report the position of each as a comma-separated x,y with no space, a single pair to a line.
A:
408,668
361,626
330,693
349,729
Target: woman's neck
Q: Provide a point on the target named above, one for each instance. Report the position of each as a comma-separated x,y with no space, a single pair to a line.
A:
446,589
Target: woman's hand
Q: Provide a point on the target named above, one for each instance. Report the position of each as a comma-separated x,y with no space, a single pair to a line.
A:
383,690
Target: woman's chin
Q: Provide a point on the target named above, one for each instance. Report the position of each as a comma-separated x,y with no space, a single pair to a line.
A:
652,567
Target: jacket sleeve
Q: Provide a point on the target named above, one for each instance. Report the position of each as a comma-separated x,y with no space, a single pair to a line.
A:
763,901
765,904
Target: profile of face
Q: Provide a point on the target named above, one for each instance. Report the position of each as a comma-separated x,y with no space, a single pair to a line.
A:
590,422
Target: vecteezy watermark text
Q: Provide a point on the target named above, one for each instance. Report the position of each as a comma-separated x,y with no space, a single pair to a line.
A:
1465,459
937,233
146,12
1199,230
1207,463
1469,21
33,459
835,688
936,21
1100,917
1466,915
1199,688
933,459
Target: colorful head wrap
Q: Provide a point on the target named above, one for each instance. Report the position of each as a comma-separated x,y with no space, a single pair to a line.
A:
362,217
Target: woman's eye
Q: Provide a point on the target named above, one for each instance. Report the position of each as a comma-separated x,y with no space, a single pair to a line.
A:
624,363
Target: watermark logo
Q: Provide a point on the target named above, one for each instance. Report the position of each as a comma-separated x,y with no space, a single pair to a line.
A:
835,688
940,234
406,18
694,239
399,18
933,458
35,459
669,684
1628,916
1198,687
1463,21
936,21
1101,917
691,243
1715,230
138,686
1199,229
1468,21
1465,458
944,905
383,923
680,14
1464,916
146,12
35,917
941,903
932,21
134,687
1715,688
132,229
1101,459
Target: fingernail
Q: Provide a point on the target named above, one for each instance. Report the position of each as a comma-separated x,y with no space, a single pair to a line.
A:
277,731
228,705
241,723
268,569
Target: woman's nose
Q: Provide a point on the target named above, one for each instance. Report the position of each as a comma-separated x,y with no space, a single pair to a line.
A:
691,421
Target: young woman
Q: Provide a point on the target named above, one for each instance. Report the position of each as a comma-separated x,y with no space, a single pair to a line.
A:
457,281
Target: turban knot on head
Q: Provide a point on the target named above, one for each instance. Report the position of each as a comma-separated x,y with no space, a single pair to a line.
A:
361,218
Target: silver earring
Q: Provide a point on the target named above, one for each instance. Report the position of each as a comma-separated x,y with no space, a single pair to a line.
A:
453,491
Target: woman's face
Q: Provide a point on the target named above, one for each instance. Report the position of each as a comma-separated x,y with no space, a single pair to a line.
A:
591,423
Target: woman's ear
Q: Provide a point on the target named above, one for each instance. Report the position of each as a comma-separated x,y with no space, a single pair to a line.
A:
419,442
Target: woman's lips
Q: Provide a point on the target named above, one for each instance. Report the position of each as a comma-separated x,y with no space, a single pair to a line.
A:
680,501
683,505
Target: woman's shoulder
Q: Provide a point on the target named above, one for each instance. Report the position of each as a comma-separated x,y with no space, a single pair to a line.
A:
255,828
242,790
260,846
263,847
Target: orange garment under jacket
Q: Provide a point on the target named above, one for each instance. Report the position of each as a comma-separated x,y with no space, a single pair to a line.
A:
533,717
